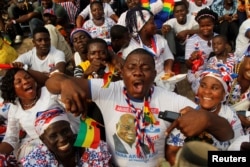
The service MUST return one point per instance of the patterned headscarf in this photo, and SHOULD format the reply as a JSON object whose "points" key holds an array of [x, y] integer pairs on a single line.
{"points": [[45, 118], [78, 30]]}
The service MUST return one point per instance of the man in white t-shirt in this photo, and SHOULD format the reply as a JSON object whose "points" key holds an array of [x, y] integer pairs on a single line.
{"points": [[43, 57], [136, 95], [178, 29]]}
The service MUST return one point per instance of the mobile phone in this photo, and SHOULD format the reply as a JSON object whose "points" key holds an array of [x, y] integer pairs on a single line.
{"points": [[168, 115]]}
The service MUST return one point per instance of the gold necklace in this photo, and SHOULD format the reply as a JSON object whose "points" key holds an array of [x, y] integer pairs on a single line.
{"points": [[31, 104]]}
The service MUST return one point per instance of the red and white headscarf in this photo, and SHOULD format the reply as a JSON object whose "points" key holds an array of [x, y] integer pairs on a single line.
{"points": [[45, 118]]}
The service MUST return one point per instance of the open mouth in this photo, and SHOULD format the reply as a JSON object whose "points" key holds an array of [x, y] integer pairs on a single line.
{"points": [[28, 89], [138, 86]]}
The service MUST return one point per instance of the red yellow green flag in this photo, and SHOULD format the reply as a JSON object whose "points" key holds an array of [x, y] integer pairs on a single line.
{"points": [[88, 135], [107, 77]]}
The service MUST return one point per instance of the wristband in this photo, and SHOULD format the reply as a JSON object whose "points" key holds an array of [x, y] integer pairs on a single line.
{"points": [[13, 21], [25, 67]]}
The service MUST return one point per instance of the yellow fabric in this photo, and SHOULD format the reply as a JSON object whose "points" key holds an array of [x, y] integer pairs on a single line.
{"points": [[86, 64], [7, 53]]}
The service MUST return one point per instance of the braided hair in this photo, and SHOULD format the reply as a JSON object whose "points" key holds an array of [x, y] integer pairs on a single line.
{"points": [[131, 19]]}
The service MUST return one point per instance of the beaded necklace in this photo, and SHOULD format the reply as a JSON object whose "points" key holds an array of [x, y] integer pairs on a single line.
{"points": [[143, 117]]}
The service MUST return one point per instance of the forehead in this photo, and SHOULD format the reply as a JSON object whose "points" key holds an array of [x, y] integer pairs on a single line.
{"points": [[56, 127], [206, 20], [211, 80], [20, 74], [141, 58], [96, 45], [180, 7]]}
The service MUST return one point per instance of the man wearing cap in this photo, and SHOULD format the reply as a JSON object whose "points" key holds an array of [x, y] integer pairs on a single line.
{"points": [[35, 17]]}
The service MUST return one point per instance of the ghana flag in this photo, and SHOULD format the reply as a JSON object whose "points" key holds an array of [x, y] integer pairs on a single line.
{"points": [[89, 134], [168, 5]]}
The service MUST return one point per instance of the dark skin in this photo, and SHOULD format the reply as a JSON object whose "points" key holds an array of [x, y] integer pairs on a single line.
{"points": [[42, 43], [59, 139], [138, 74]]}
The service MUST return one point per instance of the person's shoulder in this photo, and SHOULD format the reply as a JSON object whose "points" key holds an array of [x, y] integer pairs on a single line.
{"points": [[53, 50]]}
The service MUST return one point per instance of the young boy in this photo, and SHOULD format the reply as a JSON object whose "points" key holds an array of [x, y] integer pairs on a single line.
{"points": [[178, 29]]}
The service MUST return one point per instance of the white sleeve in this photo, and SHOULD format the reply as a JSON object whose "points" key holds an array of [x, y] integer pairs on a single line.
{"points": [[85, 12], [170, 22], [26, 57], [59, 56], [13, 128], [108, 9], [156, 7]]}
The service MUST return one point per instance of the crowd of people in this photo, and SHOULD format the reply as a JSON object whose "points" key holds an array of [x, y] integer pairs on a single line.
{"points": [[86, 94]]}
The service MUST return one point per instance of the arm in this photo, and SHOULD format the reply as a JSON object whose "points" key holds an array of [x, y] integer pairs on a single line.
{"points": [[5, 148], [73, 90], [193, 122], [79, 21], [22, 19], [171, 152], [168, 65], [61, 66]]}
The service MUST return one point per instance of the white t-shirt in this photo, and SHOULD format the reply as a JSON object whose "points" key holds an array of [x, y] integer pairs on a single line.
{"points": [[122, 19], [194, 9], [162, 51], [235, 146], [176, 138], [31, 59], [102, 31], [242, 41], [108, 11], [113, 105], [190, 24]]}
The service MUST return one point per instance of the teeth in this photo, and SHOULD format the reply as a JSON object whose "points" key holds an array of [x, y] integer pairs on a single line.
{"points": [[206, 98], [63, 147]]}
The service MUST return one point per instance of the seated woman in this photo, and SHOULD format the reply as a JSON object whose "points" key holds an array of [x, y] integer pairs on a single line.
{"points": [[239, 95], [99, 26], [26, 98], [53, 128], [211, 93]]}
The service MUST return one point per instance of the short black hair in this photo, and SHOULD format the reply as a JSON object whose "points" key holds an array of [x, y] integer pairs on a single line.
{"points": [[180, 3], [117, 31], [40, 29], [142, 51]]}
